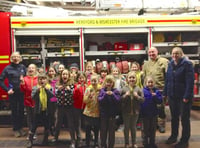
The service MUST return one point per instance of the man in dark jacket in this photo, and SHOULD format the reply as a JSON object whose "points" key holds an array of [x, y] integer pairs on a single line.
{"points": [[179, 90], [13, 72]]}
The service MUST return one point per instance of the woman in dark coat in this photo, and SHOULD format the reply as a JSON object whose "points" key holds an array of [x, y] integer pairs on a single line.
{"points": [[13, 72], [179, 90]]}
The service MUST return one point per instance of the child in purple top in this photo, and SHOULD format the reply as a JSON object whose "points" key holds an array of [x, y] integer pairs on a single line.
{"points": [[109, 98]]}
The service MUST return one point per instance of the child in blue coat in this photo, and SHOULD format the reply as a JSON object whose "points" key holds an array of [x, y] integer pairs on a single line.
{"points": [[149, 112]]}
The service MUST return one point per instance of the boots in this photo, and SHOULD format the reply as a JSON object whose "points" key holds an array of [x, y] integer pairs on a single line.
{"points": [[45, 140], [30, 140]]}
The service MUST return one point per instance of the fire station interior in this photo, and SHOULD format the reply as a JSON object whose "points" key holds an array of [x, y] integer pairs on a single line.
{"points": [[111, 45]]}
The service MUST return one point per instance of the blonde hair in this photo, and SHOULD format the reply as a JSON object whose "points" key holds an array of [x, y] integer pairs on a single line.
{"points": [[131, 73], [109, 78], [179, 49], [147, 78], [36, 72], [14, 54]]}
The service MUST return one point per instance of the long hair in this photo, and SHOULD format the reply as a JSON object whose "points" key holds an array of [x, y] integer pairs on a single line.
{"points": [[109, 78]]}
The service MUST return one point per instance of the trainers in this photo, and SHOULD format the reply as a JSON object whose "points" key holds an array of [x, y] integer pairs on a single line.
{"points": [[72, 145], [161, 129], [171, 140], [17, 134], [22, 132], [134, 146], [181, 145], [29, 144]]}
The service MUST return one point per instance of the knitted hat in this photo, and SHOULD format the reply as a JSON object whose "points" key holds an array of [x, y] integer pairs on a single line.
{"points": [[74, 66]]}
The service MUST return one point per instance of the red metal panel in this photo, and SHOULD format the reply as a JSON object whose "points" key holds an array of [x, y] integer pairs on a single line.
{"points": [[5, 45]]}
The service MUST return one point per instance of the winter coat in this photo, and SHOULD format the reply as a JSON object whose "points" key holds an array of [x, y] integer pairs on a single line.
{"points": [[149, 106], [78, 95], [131, 104], [109, 104], [12, 72], [179, 81], [26, 87], [36, 97]]}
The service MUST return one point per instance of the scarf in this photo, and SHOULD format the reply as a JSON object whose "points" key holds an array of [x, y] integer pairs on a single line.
{"points": [[43, 97]]}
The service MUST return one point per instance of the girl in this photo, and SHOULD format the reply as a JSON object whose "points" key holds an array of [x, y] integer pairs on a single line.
{"points": [[91, 111], [149, 112], [52, 115], [109, 98], [103, 74], [89, 70], [135, 66], [61, 67], [78, 94], [41, 94], [119, 80], [64, 94], [131, 97], [26, 85]]}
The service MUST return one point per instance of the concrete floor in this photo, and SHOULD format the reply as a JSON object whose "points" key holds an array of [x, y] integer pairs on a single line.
{"points": [[7, 139]]}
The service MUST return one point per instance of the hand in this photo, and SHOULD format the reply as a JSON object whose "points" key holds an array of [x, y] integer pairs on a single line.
{"points": [[153, 94], [185, 100], [60, 87], [135, 94], [21, 79], [109, 92], [127, 93], [78, 86], [10, 92]]}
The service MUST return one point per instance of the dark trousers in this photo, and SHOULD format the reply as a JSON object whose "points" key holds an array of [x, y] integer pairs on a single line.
{"points": [[42, 119], [30, 117], [91, 124], [17, 109], [107, 129], [180, 109], [149, 130], [52, 115], [68, 113]]}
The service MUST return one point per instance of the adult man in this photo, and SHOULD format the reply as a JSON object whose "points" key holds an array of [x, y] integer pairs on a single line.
{"points": [[13, 72], [156, 66]]}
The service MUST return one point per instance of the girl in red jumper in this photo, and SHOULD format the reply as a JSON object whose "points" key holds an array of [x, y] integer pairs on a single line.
{"points": [[78, 94], [26, 86]]}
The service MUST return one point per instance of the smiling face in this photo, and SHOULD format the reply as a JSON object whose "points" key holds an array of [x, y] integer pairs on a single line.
{"points": [[32, 70], [177, 53], [153, 53], [150, 83], [131, 79], [51, 72], [16, 58]]}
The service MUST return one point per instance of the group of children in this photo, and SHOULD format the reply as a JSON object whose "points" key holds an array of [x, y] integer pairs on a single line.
{"points": [[95, 99]]}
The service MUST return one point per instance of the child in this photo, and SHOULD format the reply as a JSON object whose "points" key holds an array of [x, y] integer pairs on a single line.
{"points": [[103, 74], [135, 66], [41, 95], [61, 67], [131, 97], [79, 90], [149, 112], [89, 70], [26, 85], [119, 80], [109, 98], [91, 111], [64, 94], [52, 115]]}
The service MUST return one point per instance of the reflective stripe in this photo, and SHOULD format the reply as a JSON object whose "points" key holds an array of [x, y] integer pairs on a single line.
{"points": [[4, 61], [4, 57]]}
